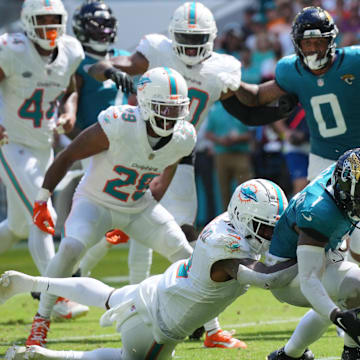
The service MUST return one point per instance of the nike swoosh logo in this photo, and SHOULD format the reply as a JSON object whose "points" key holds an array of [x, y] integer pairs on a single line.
{"points": [[338, 320], [36, 216], [307, 218]]}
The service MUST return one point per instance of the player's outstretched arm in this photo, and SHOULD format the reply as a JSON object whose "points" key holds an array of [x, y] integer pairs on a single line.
{"points": [[135, 64], [252, 272]]}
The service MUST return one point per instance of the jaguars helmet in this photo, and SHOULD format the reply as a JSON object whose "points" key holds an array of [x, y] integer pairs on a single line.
{"points": [[162, 97], [256, 203], [192, 30], [94, 25], [52, 32], [346, 183], [314, 22]]}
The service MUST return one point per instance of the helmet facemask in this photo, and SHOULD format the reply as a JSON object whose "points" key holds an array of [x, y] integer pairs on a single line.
{"points": [[254, 209], [163, 100], [314, 22], [46, 36], [192, 31], [346, 184], [163, 115]]}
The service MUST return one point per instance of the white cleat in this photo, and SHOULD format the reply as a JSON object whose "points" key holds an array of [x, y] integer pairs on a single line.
{"points": [[16, 353], [67, 309], [12, 283]]}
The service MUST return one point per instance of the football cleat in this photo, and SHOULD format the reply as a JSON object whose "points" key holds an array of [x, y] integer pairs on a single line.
{"points": [[223, 339], [280, 355], [66, 309], [39, 329], [197, 334], [15, 353], [350, 353]]}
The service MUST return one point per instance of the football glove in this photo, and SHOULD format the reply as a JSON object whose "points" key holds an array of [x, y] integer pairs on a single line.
{"points": [[116, 236], [348, 321], [121, 79], [42, 218], [229, 81]]}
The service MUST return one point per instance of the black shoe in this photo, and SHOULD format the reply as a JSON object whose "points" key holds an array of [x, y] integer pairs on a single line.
{"points": [[35, 295], [350, 353], [280, 355], [197, 334]]}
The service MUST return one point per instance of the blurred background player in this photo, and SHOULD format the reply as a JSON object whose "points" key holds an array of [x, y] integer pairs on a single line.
{"points": [[39, 96]]}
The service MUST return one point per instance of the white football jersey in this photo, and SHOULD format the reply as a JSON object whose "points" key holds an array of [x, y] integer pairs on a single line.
{"points": [[186, 296], [119, 178], [202, 79], [31, 88]]}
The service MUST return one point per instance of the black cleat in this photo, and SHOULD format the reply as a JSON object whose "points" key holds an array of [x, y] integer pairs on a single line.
{"points": [[350, 353], [280, 355], [197, 334]]}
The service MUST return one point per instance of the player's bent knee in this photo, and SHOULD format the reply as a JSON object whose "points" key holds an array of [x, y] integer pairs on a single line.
{"points": [[71, 249]]}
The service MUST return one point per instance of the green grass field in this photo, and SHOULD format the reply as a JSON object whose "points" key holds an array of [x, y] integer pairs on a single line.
{"points": [[259, 319]]}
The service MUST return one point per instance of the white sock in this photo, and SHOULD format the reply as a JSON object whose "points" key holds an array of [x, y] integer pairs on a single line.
{"points": [[139, 262], [310, 328], [93, 256], [41, 247], [7, 237], [212, 326]]}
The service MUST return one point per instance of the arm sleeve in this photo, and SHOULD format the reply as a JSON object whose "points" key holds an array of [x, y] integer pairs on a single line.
{"points": [[273, 280], [252, 116], [311, 262]]}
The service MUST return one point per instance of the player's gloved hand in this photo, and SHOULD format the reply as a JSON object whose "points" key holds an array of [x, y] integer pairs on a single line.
{"points": [[116, 236], [287, 104], [229, 81], [348, 321], [121, 79], [41, 215]]}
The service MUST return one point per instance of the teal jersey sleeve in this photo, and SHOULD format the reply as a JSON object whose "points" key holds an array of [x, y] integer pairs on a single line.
{"points": [[284, 73], [96, 96], [315, 212]]}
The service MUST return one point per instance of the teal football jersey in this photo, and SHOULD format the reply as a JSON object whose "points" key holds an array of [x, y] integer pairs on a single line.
{"points": [[313, 208], [330, 100], [96, 96]]}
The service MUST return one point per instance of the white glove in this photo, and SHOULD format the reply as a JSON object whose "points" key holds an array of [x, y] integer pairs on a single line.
{"points": [[229, 81], [4, 140]]}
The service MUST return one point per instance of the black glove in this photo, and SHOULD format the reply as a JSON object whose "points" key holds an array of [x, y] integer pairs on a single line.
{"points": [[121, 79], [287, 104], [348, 321]]}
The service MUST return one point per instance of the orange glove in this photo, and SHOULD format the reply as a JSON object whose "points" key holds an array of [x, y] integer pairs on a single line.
{"points": [[42, 218], [116, 236]]}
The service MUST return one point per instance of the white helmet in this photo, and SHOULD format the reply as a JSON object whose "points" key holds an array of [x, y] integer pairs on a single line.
{"points": [[162, 97], [254, 203], [51, 33], [192, 27]]}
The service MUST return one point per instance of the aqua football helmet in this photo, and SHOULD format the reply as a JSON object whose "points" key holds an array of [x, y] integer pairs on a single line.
{"points": [[254, 209], [31, 9], [162, 97], [192, 31], [95, 26], [314, 22], [346, 183]]}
